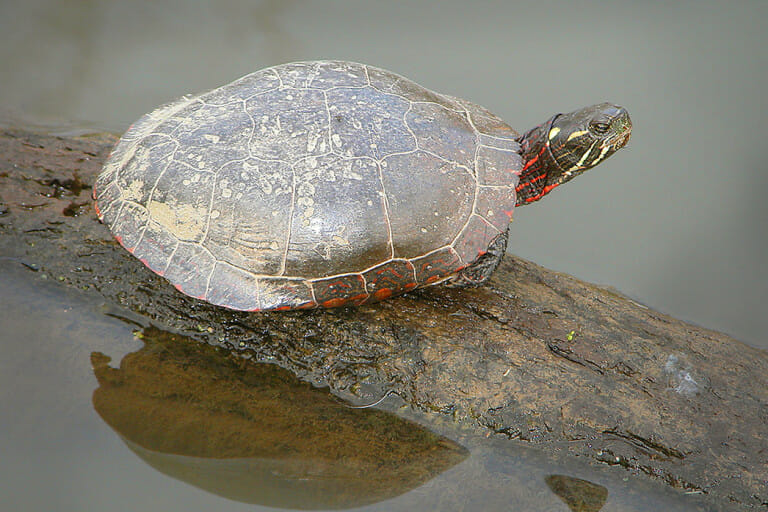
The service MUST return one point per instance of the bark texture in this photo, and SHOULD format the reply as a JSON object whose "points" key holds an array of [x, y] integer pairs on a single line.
{"points": [[535, 355]]}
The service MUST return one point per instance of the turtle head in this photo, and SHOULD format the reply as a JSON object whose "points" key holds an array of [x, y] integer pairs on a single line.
{"points": [[584, 138], [569, 144]]}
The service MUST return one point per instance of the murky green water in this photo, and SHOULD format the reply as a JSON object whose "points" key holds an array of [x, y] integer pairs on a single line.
{"points": [[96, 418]]}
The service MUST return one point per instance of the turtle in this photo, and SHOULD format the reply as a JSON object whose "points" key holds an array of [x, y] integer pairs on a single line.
{"points": [[333, 183]]}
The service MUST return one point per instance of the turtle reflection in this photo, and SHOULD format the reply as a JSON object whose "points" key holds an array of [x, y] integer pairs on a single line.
{"points": [[254, 433]]}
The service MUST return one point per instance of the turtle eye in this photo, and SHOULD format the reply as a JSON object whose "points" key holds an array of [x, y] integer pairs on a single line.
{"points": [[599, 127]]}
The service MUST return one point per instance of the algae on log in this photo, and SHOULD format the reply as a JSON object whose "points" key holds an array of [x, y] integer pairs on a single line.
{"points": [[535, 355]]}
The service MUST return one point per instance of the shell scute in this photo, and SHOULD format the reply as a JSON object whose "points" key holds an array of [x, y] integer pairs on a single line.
{"points": [[443, 132], [436, 266], [233, 287], [495, 205], [180, 199], [246, 237], [338, 220], [429, 199], [156, 246], [108, 199], [390, 83], [486, 122], [140, 168], [131, 221], [365, 122], [472, 242], [343, 290], [281, 293], [391, 278], [189, 269], [332, 74], [288, 124], [498, 167], [210, 135], [244, 88]]}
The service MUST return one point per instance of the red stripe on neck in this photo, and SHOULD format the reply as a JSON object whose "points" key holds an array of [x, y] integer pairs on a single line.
{"points": [[530, 182], [546, 190], [533, 160], [538, 164]]}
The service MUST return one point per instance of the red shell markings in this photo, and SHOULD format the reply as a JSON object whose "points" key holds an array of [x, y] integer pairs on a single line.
{"points": [[392, 278], [437, 265], [338, 291]]}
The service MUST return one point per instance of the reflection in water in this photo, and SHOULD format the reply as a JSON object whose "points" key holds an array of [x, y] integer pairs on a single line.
{"points": [[254, 433], [580, 495]]}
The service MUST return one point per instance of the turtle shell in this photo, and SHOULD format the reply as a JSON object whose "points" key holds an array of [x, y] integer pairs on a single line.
{"points": [[310, 184]]}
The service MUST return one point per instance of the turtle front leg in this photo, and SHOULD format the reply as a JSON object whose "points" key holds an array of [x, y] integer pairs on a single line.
{"points": [[480, 271]]}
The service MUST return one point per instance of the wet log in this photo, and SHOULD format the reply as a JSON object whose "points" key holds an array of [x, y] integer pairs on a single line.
{"points": [[537, 356]]}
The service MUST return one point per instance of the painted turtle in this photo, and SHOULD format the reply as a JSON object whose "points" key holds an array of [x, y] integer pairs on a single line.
{"points": [[333, 183]]}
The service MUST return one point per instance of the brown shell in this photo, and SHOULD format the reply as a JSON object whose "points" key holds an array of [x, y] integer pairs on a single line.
{"points": [[310, 184]]}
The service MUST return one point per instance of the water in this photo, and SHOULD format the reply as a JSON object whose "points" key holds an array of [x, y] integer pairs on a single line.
{"points": [[96, 418]]}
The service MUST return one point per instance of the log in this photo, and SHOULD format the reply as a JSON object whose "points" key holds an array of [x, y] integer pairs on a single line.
{"points": [[535, 355]]}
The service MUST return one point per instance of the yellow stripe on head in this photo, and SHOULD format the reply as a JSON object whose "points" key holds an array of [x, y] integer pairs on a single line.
{"points": [[600, 157], [580, 164], [578, 133]]}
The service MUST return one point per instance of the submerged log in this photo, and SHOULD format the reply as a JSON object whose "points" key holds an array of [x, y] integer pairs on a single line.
{"points": [[536, 355]]}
